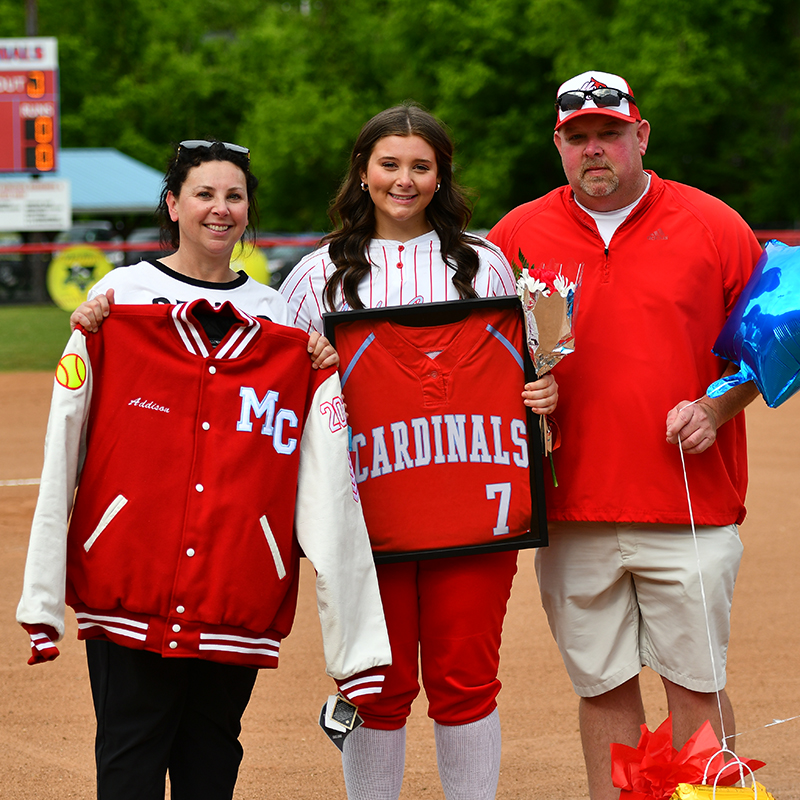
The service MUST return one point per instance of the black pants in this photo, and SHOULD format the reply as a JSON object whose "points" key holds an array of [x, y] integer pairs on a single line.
{"points": [[154, 715]]}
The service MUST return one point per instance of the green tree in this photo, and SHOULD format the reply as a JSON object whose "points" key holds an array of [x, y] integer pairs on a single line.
{"points": [[716, 80], [140, 74], [295, 81]]}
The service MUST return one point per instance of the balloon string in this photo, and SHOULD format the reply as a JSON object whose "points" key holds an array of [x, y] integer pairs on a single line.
{"points": [[702, 587], [705, 611], [764, 727]]}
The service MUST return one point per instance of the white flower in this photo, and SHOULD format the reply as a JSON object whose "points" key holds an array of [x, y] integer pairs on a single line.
{"points": [[532, 285], [563, 285]]}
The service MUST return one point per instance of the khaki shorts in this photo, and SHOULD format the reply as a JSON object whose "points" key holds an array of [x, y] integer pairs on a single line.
{"points": [[619, 596]]}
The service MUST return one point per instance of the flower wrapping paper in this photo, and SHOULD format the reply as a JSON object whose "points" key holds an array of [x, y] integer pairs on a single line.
{"points": [[549, 303]]}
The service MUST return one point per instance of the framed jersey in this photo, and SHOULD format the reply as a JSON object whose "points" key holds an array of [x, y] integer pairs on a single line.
{"points": [[446, 456]]}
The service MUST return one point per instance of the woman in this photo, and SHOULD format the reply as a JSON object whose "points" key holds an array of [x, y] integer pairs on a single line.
{"points": [[170, 681], [207, 206], [400, 238]]}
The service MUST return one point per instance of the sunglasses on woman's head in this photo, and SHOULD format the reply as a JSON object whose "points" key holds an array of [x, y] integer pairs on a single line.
{"points": [[193, 144]]}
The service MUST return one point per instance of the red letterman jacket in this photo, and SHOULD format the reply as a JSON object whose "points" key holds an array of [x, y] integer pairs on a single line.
{"points": [[202, 473]]}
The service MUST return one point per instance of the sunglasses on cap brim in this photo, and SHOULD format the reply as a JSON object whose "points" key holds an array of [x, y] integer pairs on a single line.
{"points": [[603, 98]]}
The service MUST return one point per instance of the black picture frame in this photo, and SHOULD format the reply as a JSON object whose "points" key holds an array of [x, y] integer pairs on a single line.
{"points": [[442, 313]]}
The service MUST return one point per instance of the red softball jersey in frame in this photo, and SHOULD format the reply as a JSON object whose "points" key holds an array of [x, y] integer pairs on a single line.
{"points": [[440, 437]]}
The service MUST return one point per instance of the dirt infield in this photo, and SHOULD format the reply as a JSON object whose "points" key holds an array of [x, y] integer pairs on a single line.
{"points": [[46, 720]]}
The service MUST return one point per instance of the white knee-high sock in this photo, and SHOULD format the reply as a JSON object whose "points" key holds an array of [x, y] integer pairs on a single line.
{"points": [[373, 763], [469, 758]]}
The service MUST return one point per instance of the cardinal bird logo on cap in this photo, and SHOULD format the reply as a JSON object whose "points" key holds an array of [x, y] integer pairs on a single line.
{"points": [[593, 84]]}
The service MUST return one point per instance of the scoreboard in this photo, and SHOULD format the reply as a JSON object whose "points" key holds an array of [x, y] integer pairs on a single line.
{"points": [[29, 128]]}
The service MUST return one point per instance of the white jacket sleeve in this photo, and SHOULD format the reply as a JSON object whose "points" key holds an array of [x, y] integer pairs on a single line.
{"points": [[43, 601], [330, 528]]}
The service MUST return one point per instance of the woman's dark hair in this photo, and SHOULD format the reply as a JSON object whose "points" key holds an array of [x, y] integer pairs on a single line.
{"points": [[192, 154], [352, 211]]}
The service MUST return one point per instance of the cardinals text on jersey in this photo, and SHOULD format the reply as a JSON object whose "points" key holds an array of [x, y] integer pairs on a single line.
{"points": [[439, 432]]}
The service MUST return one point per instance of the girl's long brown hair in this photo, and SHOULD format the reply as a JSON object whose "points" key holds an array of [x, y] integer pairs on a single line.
{"points": [[353, 212]]}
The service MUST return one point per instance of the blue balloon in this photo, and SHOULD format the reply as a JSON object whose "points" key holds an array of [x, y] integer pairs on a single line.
{"points": [[762, 334]]}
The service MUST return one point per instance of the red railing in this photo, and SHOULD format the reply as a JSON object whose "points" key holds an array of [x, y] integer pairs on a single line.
{"points": [[54, 247], [788, 237]]}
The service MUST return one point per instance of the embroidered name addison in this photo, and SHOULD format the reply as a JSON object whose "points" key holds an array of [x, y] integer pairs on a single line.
{"points": [[148, 404]]}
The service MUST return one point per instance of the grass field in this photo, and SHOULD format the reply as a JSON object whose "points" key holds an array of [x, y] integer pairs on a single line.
{"points": [[32, 337]]}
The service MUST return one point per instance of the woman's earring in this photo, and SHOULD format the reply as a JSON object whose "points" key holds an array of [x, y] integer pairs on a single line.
{"points": [[364, 186], [438, 185]]}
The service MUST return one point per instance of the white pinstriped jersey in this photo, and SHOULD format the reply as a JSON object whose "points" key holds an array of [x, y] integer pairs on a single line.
{"points": [[403, 273]]}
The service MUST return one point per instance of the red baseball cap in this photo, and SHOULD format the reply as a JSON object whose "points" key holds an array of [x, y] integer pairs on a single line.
{"points": [[596, 93]]}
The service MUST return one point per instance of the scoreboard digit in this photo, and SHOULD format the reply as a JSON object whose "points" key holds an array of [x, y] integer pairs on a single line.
{"points": [[29, 128]]}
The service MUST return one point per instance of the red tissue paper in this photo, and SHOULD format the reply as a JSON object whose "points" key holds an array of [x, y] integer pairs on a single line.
{"points": [[653, 769]]}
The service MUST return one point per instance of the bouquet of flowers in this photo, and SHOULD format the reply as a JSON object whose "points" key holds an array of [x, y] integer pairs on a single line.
{"points": [[549, 303]]}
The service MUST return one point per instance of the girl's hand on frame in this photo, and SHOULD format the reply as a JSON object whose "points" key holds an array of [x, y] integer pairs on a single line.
{"points": [[541, 396]]}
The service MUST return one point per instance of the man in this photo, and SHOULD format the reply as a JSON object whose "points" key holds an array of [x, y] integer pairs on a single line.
{"points": [[663, 265]]}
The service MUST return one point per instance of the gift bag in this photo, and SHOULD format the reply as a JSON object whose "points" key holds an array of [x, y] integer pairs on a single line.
{"points": [[755, 791], [685, 791]]}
